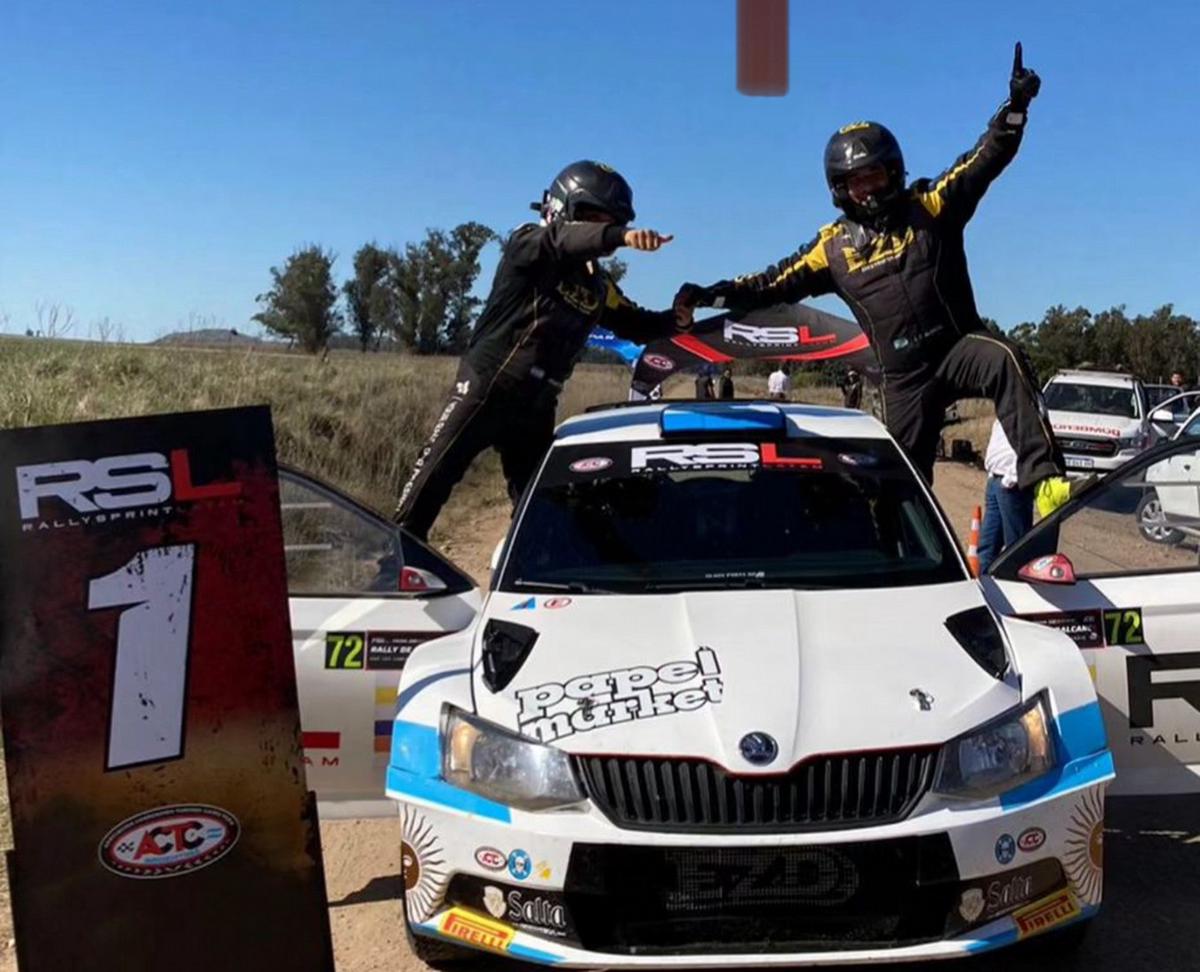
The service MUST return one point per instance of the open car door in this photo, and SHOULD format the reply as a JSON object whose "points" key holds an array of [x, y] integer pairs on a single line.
{"points": [[1130, 600], [363, 594]]}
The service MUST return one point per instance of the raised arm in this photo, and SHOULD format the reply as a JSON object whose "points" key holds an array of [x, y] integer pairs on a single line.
{"points": [[803, 274], [955, 194]]}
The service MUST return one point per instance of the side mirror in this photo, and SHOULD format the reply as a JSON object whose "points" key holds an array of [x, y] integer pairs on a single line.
{"points": [[1164, 415], [1054, 569]]}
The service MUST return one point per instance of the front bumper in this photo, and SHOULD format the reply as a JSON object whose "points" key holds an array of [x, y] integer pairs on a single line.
{"points": [[569, 888]]}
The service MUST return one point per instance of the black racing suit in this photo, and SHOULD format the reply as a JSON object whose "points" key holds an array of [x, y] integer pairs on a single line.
{"points": [[548, 294], [910, 291]]}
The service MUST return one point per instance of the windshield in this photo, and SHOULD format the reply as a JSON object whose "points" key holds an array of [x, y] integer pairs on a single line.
{"points": [[636, 517], [1119, 400]]}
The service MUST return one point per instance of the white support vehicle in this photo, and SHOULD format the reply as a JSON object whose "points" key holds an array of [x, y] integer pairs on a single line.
{"points": [[1169, 510], [1100, 418], [733, 699]]}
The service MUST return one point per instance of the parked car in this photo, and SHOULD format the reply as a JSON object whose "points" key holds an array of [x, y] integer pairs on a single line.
{"points": [[1169, 510], [1100, 418]]}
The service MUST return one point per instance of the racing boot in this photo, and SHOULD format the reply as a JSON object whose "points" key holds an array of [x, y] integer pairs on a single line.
{"points": [[1053, 491]]}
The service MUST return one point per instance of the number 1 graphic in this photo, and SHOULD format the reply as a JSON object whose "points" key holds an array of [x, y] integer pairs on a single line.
{"points": [[145, 723]]}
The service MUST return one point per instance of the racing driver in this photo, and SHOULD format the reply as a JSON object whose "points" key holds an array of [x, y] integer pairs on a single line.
{"points": [[548, 294], [896, 257]]}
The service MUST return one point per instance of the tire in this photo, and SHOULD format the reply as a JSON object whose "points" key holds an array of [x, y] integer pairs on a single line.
{"points": [[1150, 521]]}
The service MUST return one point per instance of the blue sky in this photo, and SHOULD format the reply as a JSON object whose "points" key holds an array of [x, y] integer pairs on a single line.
{"points": [[157, 158]]}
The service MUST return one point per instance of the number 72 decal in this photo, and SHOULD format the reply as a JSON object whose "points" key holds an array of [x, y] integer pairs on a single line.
{"points": [[344, 649], [1096, 628]]}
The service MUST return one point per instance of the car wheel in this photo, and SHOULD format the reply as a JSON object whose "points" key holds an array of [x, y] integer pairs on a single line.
{"points": [[1152, 522]]}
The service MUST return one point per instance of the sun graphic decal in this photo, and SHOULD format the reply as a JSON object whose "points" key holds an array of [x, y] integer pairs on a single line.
{"points": [[422, 866], [1084, 857]]}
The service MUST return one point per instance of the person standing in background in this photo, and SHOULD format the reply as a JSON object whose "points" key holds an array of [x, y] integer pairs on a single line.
{"points": [[1008, 508], [726, 384], [852, 389], [778, 384], [704, 385]]}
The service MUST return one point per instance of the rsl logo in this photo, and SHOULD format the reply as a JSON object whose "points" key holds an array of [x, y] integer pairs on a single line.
{"points": [[93, 491]]}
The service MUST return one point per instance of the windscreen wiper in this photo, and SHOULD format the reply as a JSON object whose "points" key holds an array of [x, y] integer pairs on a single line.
{"points": [[572, 587]]}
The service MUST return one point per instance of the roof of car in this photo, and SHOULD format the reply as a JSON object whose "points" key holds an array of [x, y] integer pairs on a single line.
{"points": [[1085, 376], [620, 423]]}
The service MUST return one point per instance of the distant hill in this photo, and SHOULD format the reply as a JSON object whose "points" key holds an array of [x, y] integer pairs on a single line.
{"points": [[214, 337]]}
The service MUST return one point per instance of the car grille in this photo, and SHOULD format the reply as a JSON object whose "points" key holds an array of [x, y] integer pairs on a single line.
{"points": [[682, 795], [1086, 445], [689, 900]]}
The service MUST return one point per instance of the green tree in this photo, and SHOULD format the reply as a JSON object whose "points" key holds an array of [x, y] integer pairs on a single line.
{"points": [[432, 282], [301, 304], [368, 296]]}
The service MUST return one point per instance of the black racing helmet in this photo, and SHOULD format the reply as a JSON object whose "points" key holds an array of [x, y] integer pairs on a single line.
{"points": [[587, 185], [859, 146]]}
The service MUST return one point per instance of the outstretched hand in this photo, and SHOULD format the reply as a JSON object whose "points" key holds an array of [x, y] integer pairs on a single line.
{"points": [[686, 299], [646, 239], [1024, 84]]}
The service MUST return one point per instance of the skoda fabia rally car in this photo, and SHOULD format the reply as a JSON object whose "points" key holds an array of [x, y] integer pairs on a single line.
{"points": [[733, 700]]}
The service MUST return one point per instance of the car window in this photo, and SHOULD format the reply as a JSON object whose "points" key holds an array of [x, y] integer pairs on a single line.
{"points": [[1145, 518], [1192, 428], [666, 515], [332, 545], [1065, 396]]}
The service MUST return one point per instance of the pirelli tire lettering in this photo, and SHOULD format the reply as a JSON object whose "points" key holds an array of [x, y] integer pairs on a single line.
{"points": [[554, 710]]}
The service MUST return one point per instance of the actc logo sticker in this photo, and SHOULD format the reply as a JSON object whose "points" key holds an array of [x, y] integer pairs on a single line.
{"points": [[169, 841], [591, 464], [519, 865], [1031, 839], [556, 602], [659, 362], [490, 859], [1006, 849]]}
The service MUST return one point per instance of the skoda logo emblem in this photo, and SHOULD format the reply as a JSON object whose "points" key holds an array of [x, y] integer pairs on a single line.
{"points": [[758, 748]]}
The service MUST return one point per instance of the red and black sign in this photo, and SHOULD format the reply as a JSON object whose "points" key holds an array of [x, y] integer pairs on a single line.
{"points": [[794, 332], [151, 729]]}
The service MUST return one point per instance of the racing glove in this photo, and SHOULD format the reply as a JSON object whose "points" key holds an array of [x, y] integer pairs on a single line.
{"points": [[1024, 84]]}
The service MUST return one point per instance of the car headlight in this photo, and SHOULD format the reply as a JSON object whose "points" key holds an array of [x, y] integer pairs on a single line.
{"points": [[502, 766], [1009, 751]]}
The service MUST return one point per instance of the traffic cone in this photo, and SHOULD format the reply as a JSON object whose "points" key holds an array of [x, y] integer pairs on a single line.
{"points": [[973, 542]]}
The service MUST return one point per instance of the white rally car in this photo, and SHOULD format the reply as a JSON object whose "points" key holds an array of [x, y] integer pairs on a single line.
{"points": [[734, 699]]}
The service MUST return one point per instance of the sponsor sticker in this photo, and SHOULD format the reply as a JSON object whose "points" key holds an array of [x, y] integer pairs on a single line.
{"points": [[520, 865], [422, 866], [1031, 839], [490, 859], [777, 336], [493, 900], [659, 362], [971, 904], [534, 910], [169, 841], [554, 710], [1006, 849], [476, 930], [590, 465], [1096, 629], [1084, 857], [701, 455], [554, 603], [389, 650], [1043, 915], [862, 459], [529, 604], [987, 898]]}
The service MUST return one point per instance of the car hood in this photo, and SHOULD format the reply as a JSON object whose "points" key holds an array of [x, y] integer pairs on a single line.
{"points": [[691, 674], [1084, 423]]}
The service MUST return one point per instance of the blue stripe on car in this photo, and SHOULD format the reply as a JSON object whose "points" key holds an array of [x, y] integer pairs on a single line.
{"points": [[431, 930], [422, 684], [605, 422], [677, 419], [1081, 732], [415, 770]]}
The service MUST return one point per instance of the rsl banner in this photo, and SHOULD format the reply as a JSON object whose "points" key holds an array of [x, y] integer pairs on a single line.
{"points": [[151, 729], [789, 332]]}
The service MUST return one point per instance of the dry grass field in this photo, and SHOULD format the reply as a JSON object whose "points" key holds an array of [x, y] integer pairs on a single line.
{"points": [[355, 420]]}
